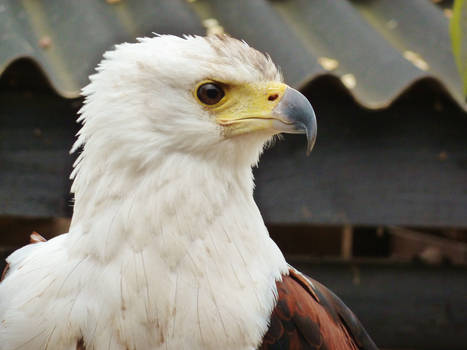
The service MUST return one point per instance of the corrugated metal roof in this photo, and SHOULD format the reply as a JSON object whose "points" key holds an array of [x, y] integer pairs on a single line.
{"points": [[377, 48]]}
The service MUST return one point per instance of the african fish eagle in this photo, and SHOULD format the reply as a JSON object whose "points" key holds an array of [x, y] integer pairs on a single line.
{"points": [[167, 248]]}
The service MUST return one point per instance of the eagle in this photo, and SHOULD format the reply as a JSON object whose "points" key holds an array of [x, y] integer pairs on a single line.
{"points": [[167, 248]]}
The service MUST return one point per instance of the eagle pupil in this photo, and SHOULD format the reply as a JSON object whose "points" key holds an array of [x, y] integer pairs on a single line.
{"points": [[210, 93]]}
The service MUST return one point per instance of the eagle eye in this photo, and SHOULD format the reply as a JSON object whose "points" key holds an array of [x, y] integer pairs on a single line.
{"points": [[210, 93]]}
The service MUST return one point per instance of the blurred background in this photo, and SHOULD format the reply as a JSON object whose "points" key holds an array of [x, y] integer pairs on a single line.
{"points": [[378, 212]]}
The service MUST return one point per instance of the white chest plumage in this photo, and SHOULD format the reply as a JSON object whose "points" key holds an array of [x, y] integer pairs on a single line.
{"points": [[177, 271]]}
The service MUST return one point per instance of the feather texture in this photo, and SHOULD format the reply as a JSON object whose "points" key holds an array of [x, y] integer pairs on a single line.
{"points": [[308, 316], [34, 238]]}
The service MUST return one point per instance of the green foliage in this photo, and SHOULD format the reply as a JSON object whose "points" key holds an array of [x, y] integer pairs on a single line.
{"points": [[459, 38]]}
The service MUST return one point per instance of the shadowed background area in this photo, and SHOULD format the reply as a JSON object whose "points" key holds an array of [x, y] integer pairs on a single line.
{"points": [[378, 212]]}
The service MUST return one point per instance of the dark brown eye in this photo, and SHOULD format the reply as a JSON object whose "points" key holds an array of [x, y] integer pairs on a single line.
{"points": [[210, 93]]}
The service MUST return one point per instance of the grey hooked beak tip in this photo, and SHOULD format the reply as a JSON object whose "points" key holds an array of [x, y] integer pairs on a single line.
{"points": [[296, 116]]}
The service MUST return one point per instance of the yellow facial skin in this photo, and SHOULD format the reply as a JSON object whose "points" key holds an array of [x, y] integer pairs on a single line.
{"points": [[247, 108]]}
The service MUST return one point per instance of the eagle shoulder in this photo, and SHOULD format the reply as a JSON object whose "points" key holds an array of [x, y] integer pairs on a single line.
{"points": [[309, 316]]}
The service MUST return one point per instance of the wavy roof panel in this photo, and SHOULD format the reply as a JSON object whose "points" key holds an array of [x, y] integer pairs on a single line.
{"points": [[376, 48]]}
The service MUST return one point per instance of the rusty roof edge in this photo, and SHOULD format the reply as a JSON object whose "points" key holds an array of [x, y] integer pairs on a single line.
{"points": [[304, 84]]}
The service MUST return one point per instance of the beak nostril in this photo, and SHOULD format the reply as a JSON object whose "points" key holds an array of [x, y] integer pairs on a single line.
{"points": [[273, 97]]}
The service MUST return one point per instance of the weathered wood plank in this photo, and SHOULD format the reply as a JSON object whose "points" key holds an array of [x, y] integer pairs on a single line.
{"points": [[36, 133]]}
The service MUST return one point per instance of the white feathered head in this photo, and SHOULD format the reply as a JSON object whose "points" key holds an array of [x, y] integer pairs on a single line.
{"points": [[200, 95], [212, 98]]}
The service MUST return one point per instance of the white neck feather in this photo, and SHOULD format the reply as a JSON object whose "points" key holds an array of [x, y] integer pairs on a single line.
{"points": [[185, 234]]}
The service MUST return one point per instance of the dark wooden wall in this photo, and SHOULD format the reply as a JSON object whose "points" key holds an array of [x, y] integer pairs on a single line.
{"points": [[37, 129], [405, 165], [403, 306]]}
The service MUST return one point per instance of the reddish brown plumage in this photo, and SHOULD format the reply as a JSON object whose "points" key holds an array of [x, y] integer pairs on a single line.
{"points": [[5, 270], [80, 345], [36, 238], [309, 316]]}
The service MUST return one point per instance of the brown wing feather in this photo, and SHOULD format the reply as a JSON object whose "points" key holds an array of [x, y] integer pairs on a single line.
{"points": [[309, 316], [80, 345], [36, 238], [5, 270]]}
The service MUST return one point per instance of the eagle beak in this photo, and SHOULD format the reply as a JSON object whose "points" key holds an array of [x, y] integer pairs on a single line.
{"points": [[296, 116], [269, 107]]}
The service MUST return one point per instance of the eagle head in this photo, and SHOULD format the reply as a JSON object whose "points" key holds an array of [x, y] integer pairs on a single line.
{"points": [[213, 98]]}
